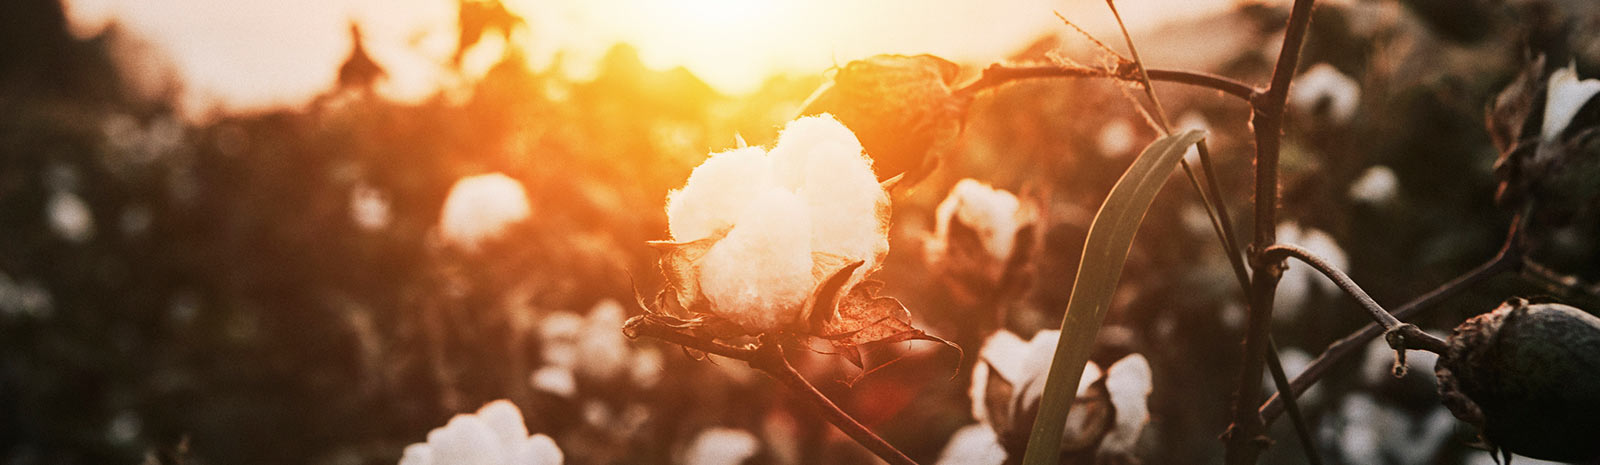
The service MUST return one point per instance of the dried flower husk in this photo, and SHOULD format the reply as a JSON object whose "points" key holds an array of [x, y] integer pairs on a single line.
{"points": [[1528, 376], [901, 107]]}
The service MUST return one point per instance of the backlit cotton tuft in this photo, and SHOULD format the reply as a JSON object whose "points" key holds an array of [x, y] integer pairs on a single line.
{"points": [[482, 207], [495, 435], [790, 217]]}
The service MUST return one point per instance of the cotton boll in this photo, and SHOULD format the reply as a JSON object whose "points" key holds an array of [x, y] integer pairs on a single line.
{"points": [[554, 380], [1566, 95], [417, 454], [1324, 88], [536, 450], [1377, 185], [721, 446], [466, 440], [1128, 383], [494, 435], [973, 445], [1116, 138], [1300, 279], [1021, 364], [760, 274], [993, 213], [602, 346], [482, 207], [1002, 352], [559, 333], [70, 217], [821, 160], [717, 192], [504, 420]]}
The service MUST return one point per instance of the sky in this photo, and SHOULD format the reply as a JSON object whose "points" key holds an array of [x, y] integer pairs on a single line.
{"points": [[234, 56]]}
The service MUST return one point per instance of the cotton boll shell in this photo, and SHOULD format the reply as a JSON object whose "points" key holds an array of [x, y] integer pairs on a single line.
{"points": [[822, 161], [900, 106], [1525, 374], [759, 276], [717, 192]]}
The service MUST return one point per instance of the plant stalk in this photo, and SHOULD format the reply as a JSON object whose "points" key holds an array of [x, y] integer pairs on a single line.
{"points": [[1245, 439]]}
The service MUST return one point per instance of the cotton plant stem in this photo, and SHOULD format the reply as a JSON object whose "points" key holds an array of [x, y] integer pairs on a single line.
{"points": [[768, 358], [1508, 259], [1244, 438]]}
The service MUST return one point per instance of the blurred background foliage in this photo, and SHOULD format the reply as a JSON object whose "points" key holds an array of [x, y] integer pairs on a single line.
{"points": [[272, 288]]}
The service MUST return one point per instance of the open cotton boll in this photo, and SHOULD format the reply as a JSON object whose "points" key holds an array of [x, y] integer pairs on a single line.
{"points": [[992, 212], [604, 349], [494, 435], [1128, 384], [1566, 95], [973, 445], [717, 192], [1377, 185], [821, 160], [759, 275], [482, 207], [721, 446], [1324, 88]]}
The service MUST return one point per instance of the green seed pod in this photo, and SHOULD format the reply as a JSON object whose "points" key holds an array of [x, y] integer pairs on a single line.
{"points": [[1528, 376]]}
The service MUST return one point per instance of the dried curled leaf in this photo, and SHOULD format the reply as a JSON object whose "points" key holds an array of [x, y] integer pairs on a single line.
{"points": [[861, 317]]}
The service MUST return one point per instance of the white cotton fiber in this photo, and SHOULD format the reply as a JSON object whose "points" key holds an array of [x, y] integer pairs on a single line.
{"points": [[820, 159], [480, 208], [1566, 94], [495, 435], [993, 213], [814, 195], [716, 193], [760, 274]]}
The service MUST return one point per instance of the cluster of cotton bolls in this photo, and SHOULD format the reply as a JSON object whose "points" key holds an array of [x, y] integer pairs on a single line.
{"points": [[591, 347], [781, 220], [495, 435], [480, 208], [1008, 382]]}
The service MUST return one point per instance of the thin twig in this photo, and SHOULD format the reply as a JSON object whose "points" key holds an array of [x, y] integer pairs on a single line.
{"points": [[1211, 198], [1281, 380], [768, 358], [1509, 258], [1418, 339], [1339, 278], [997, 74]]}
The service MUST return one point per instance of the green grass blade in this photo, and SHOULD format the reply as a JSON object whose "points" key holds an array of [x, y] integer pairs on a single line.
{"points": [[1104, 252]]}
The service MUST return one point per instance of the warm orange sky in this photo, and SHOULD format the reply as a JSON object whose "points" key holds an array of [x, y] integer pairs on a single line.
{"points": [[242, 55]]}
